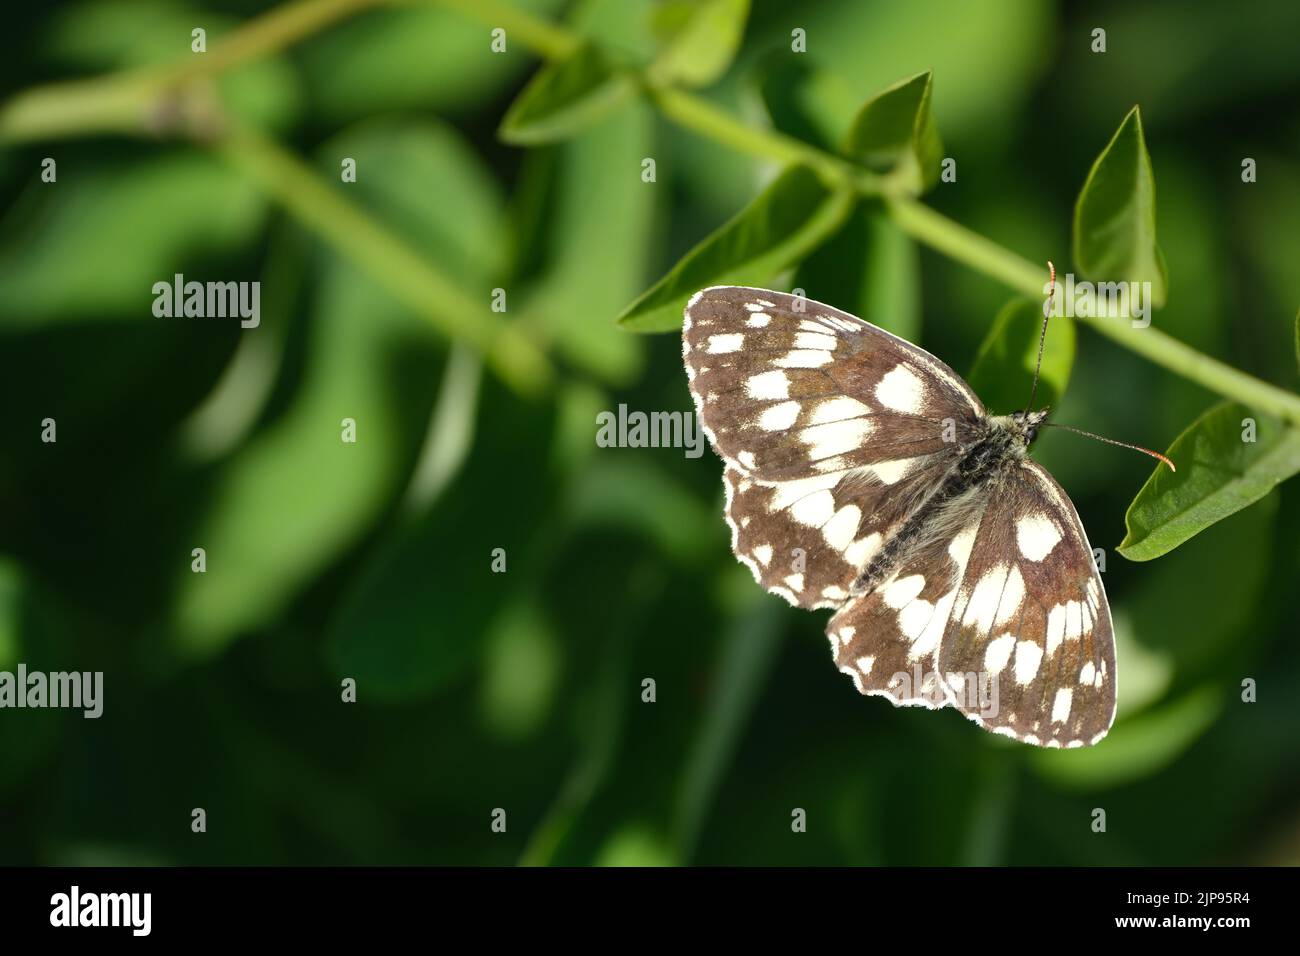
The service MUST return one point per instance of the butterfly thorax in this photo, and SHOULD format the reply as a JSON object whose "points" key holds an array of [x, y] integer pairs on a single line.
{"points": [[996, 449]]}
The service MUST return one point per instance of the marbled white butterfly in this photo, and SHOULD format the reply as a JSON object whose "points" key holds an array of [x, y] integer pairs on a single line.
{"points": [[863, 474]]}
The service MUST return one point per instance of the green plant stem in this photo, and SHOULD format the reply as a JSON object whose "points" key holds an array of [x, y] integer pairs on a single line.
{"points": [[959, 243], [385, 257], [137, 101], [703, 117], [548, 40], [269, 33]]}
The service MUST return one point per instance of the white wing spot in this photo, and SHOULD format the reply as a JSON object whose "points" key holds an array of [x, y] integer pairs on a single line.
{"points": [[1073, 620], [902, 592], [758, 320], [779, 417], [764, 554], [768, 386], [983, 604], [803, 358], [1055, 628], [959, 547], [795, 582], [1013, 592], [890, 472], [1028, 656], [1087, 673], [731, 342], [788, 492], [926, 642], [755, 306], [998, 654], [1061, 705], [747, 459], [836, 438], [815, 340], [861, 551], [814, 510], [1037, 535], [837, 410], [902, 390], [839, 531], [866, 663]]}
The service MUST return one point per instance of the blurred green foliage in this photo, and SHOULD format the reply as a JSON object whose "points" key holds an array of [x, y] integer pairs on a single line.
{"points": [[524, 689]]}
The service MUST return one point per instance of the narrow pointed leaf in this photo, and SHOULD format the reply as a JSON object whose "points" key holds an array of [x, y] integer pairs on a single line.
{"points": [[1219, 472], [703, 38], [1115, 215], [894, 132], [1003, 373], [789, 219], [565, 98]]}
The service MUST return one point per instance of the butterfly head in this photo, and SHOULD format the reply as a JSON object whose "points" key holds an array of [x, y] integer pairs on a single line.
{"points": [[1025, 425]]}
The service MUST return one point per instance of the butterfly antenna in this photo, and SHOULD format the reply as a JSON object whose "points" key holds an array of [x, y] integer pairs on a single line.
{"points": [[1042, 336], [1111, 441]]}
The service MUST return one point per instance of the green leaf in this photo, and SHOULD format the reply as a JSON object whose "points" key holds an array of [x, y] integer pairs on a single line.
{"points": [[125, 227], [703, 37], [565, 98], [894, 132], [788, 220], [1003, 373], [747, 657], [1115, 216], [296, 475], [1219, 473], [417, 615], [596, 239], [522, 670], [1297, 338], [635, 845], [615, 493], [805, 100], [867, 46]]}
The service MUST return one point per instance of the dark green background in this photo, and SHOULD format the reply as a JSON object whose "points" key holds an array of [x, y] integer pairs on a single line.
{"points": [[522, 690]]}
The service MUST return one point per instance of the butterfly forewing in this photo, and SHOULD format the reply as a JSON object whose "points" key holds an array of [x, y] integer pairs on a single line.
{"points": [[787, 388]]}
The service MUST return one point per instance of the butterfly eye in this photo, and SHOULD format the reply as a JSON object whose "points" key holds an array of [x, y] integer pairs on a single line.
{"points": [[1030, 435]]}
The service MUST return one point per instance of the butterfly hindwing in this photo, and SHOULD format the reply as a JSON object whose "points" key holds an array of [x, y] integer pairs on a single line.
{"points": [[888, 639], [808, 539], [1032, 617]]}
